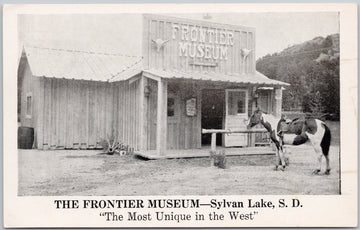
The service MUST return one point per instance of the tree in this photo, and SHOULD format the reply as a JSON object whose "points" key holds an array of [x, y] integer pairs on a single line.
{"points": [[314, 82], [316, 103]]}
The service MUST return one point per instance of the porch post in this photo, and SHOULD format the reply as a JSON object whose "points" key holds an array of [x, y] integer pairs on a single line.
{"points": [[213, 142], [254, 104], [278, 101], [161, 127]]}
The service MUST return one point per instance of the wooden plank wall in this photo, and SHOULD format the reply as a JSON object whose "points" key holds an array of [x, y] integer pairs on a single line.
{"points": [[151, 115], [156, 27], [173, 122], [185, 132], [29, 87], [127, 112], [78, 114]]}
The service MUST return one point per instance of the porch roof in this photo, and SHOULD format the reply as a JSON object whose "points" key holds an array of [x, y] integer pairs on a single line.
{"points": [[249, 78]]}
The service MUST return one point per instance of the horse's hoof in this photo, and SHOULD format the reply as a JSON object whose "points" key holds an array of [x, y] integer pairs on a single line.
{"points": [[287, 161], [316, 171], [282, 168], [327, 172], [276, 168]]}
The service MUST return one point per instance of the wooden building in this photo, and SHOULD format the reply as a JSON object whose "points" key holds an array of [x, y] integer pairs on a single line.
{"points": [[191, 75]]}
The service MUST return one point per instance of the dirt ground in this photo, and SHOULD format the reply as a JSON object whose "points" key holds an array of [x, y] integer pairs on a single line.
{"points": [[85, 172]]}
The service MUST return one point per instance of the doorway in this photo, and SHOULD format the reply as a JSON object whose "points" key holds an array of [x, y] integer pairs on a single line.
{"points": [[212, 114], [236, 116]]}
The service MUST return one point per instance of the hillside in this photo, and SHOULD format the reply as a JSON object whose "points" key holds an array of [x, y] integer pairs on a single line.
{"points": [[312, 69]]}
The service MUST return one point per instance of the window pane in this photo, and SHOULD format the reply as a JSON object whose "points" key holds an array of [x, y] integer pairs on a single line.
{"points": [[241, 102], [28, 105], [236, 102], [171, 107]]}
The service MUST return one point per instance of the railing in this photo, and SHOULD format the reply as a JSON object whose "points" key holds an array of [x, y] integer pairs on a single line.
{"points": [[215, 131]]}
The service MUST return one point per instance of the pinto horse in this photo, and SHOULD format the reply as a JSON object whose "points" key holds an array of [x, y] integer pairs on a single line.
{"points": [[295, 132]]}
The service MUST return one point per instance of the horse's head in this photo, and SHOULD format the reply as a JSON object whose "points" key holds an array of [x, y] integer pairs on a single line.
{"points": [[255, 118]]}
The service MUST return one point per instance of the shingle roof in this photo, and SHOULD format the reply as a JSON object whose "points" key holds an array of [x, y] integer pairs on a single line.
{"points": [[79, 65], [249, 78]]}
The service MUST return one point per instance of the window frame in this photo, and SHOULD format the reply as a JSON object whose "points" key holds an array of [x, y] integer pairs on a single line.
{"points": [[29, 112], [227, 91]]}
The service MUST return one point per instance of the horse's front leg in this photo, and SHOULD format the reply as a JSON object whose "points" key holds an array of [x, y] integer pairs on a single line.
{"points": [[277, 159], [319, 153], [327, 172], [280, 146], [282, 157]]}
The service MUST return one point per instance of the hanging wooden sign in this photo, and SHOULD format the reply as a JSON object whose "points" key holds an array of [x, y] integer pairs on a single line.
{"points": [[191, 107]]}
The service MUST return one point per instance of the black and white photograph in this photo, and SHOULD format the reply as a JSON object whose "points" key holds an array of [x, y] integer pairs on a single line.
{"points": [[194, 104], [188, 103]]}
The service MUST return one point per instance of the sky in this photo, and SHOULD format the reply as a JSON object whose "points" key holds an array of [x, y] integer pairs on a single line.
{"points": [[121, 33]]}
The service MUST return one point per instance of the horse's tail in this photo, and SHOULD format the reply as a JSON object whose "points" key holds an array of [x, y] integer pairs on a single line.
{"points": [[325, 142]]}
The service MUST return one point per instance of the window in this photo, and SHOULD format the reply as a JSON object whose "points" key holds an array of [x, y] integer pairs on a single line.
{"points": [[170, 106], [28, 105], [236, 102]]}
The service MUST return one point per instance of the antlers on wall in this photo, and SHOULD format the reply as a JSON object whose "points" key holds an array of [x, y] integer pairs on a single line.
{"points": [[245, 52], [159, 43]]}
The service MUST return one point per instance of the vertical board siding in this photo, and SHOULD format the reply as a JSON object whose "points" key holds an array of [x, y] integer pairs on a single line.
{"points": [[69, 114], [151, 115], [109, 110], [76, 116], [53, 113], [116, 110], [126, 118], [81, 114], [127, 113], [173, 123], [47, 117], [121, 111], [158, 27], [184, 132], [97, 115], [63, 86], [40, 114], [92, 116]]}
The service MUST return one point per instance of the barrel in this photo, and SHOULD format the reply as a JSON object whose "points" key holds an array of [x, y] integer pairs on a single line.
{"points": [[25, 137]]}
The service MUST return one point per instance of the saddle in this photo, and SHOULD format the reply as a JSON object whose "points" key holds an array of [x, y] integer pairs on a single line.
{"points": [[293, 126]]}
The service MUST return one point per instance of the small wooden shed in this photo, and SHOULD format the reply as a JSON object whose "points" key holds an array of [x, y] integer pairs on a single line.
{"points": [[191, 75]]}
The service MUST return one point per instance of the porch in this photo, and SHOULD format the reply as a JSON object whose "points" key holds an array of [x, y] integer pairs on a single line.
{"points": [[176, 106]]}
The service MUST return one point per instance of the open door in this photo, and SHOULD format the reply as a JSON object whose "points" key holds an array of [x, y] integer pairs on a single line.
{"points": [[236, 116], [212, 114]]}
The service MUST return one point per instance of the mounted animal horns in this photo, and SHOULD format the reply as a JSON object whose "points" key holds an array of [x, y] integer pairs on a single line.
{"points": [[159, 43], [245, 52]]}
